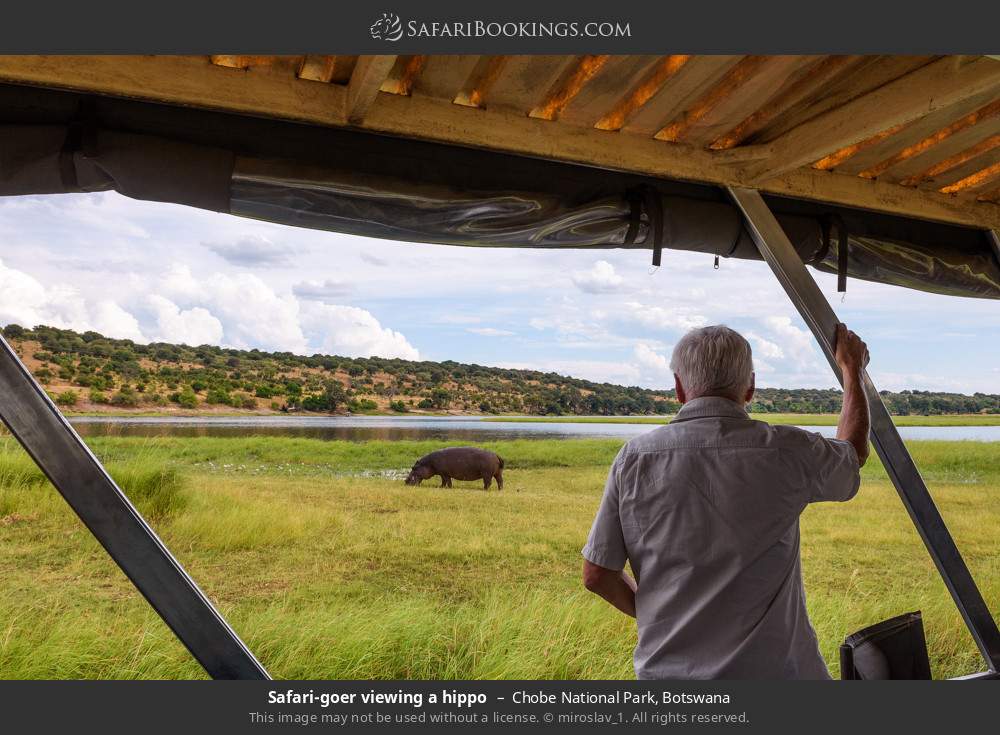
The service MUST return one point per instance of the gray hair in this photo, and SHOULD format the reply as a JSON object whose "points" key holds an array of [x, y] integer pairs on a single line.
{"points": [[713, 361]]}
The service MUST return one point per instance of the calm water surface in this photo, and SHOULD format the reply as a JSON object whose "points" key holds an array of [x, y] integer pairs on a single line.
{"points": [[462, 428]]}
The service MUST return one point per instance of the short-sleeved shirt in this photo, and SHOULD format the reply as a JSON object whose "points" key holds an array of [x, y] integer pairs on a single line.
{"points": [[706, 511]]}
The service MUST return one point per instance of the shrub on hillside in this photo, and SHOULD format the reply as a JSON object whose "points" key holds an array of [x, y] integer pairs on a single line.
{"points": [[125, 398], [364, 404], [185, 399], [68, 398], [218, 396]]}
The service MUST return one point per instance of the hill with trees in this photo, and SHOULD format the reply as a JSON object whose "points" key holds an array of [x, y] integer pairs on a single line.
{"points": [[91, 373]]}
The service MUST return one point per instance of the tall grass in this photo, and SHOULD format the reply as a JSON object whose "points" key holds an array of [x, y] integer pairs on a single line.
{"points": [[328, 571], [155, 489]]}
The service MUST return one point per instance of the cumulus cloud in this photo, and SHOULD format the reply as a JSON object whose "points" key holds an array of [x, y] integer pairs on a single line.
{"points": [[602, 278], [658, 317], [353, 332], [25, 301], [653, 367], [650, 358], [195, 326], [327, 290], [798, 342], [764, 347], [251, 251], [252, 313], [110, 319], [231, 310], [490, 332]]}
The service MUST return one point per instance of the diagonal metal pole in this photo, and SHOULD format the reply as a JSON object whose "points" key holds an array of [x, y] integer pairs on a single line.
{"points": [[791, 272], [79, 477]]}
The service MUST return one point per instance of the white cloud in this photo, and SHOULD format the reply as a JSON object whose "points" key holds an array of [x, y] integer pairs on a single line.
{"points": [[195, 326], [252, 250], [601, 278], [25, 301], [799, 342], [238, 310], [252, 313], [490, 332], [353, 332], [110, 319], [327, 290], [651, 359], [764, 347], [658, 317], [921, 381], [762, 366], [654, 367]]}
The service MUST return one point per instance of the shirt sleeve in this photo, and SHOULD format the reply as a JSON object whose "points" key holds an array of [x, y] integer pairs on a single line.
{"points": [[606, 543], [835, 467]]}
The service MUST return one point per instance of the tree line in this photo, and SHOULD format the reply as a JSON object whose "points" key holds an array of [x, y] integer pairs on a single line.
{"points": [[80, 368]]}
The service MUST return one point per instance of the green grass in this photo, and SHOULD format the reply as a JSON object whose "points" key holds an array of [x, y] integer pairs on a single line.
{"points": [[330, 567], [798, 419]]}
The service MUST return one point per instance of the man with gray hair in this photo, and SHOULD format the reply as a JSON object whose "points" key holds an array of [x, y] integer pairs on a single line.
{"points": [[706, 512]]}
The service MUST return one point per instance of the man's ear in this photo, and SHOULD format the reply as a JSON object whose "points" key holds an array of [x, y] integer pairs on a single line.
{"points": [[751, 389], [679, 389]]}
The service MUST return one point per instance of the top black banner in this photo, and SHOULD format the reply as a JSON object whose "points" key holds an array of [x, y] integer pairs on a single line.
{"points": [[509, 27]]}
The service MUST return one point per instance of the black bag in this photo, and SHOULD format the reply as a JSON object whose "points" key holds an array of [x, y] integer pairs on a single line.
{"points": [[893, 649]]}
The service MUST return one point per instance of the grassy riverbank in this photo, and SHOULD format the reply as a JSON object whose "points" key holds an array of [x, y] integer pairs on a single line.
{"points": [[330, 567]]}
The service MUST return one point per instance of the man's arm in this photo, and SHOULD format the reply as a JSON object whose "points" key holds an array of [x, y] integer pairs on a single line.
{"points": [[616, 587], [855, 422]]}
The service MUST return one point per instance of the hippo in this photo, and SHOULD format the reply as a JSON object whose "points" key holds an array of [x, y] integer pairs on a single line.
{"points": [[460, 463]]}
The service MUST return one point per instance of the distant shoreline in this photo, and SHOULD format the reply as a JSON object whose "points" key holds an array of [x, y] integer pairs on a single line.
{"points": [[803, 419]]}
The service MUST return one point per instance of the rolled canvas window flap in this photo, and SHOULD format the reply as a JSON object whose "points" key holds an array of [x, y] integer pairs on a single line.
{"points": [[920, 267], [375, 205], [33, 161]]}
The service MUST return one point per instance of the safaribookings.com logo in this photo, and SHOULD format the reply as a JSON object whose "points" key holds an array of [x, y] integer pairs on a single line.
{"points": [[390, 28]]}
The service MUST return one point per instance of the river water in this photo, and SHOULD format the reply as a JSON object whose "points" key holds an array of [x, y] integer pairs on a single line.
{"points": [[464, 428]]}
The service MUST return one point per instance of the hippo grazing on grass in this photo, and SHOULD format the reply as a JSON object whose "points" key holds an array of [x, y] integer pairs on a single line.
{"points": [[460, 463]]}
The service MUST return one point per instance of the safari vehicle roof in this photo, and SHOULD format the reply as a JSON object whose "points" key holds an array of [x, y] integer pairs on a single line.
{"points": [[901, 153]]}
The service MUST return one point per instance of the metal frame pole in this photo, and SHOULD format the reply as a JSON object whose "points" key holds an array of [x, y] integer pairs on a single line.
{"points": [[84, 483], [815, 310]]}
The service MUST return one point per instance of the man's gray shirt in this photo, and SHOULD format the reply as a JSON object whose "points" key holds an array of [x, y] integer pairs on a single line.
{"points": [[706, 511]]}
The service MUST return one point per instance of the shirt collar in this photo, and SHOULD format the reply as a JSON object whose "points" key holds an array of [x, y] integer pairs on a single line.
{"points": [[708, 406]]}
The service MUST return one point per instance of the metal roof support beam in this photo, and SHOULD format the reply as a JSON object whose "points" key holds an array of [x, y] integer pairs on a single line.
{"points": [[79, 477], [366, 80], [816, 312]]}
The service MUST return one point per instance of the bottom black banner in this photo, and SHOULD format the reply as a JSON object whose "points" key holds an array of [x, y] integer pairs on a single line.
{"points": [[514, 706]]}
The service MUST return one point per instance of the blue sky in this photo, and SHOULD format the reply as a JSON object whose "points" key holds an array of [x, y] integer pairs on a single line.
{"points": [[151, 272]]}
